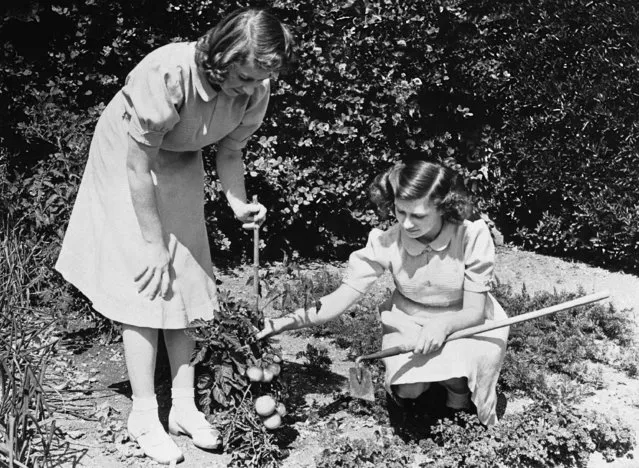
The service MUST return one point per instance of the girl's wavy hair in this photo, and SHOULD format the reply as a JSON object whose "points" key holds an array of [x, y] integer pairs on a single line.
{"points": [[245, 34], [417, 179]]}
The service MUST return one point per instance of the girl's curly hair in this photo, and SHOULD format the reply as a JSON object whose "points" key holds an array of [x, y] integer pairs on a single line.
{"points": [[416, 179], [245, 34]]}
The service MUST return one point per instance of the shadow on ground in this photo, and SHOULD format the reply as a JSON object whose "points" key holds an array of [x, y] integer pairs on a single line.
{"points": [[301, 380]]}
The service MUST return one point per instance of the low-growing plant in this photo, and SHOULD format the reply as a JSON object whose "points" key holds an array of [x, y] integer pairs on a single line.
{"points": [[358, 329], [387, 451], [287, 287], [28, 435], [317, 358], [555, 356], [543, 435], [564, 344]]}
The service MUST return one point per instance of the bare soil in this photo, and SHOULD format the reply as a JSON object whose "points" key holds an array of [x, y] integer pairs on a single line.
{"points": [[93, 382]]}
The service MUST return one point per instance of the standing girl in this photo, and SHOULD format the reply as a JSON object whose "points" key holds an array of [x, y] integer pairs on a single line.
{"points": [[136, 244], [442, 266]]}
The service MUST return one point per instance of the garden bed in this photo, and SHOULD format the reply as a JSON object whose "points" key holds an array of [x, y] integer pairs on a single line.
{"points": [[324, 427]]}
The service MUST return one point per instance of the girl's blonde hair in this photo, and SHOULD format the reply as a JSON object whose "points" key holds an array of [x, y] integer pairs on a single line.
{"points": [[246, 34]]}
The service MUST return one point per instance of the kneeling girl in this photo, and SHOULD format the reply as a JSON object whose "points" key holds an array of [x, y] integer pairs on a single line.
{"points": [[442, 267]]}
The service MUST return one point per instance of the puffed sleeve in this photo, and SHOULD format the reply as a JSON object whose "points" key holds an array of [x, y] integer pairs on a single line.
{"points": [[367, 264], [252, 119], [479, 257], [153, 95]]}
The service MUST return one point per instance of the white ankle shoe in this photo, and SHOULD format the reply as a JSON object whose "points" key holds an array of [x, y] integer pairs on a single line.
{"points": [[193, 423], [154, 442]]}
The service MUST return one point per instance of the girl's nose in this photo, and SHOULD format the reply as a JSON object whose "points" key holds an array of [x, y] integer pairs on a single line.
{"points": [[408, 224]]}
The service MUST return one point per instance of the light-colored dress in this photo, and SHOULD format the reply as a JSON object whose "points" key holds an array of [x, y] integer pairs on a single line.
{"points": [[166, 103], [431, 279]]}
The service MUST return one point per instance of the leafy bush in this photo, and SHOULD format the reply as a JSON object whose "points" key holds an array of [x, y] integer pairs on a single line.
{"points": [[528, 101], [565, 150], [348, 111]]}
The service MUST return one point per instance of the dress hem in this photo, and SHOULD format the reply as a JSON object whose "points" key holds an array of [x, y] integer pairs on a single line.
{"points": [[103, 305]]}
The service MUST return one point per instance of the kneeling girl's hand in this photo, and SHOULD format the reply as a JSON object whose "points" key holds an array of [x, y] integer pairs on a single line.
{"points": [[291, 321], [432, 337], [271, 327]]}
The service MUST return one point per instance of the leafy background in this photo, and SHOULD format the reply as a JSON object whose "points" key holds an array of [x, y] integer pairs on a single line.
{"points": [[535, 102]]}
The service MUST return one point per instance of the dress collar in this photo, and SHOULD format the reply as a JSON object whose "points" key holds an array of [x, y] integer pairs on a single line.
{"points": [[204, 88], [415, 247]]}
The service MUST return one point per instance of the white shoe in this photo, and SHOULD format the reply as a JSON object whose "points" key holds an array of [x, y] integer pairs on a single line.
{"points": [[193, 423], [154, 442]]}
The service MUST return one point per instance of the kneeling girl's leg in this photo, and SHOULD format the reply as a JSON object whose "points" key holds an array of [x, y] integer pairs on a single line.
{"points": [[458, 394], [410, 391]]}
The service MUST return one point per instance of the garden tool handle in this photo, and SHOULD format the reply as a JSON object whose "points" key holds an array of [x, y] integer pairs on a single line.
{"points": [[590, 298], [393, 351], [256, 261]]}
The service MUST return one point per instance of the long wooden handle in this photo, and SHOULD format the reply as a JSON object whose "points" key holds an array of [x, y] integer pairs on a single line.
{"points": [[590, 298], [395, 350], [256, 262]]}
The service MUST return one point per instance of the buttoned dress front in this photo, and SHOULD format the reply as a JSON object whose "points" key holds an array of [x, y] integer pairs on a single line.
{"points": [[167, 104], [430, 279]]}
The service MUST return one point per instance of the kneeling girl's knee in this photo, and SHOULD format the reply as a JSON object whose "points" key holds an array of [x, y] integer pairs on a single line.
{"points": [[412, 390]]}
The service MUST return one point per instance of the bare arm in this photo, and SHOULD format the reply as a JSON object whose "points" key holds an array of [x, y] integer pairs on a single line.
{"points": [[153, 277], [333, 305], [230, 170], [138, 165]]}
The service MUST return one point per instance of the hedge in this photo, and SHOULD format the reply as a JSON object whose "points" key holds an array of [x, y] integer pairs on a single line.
{"points": [[535, 102]]}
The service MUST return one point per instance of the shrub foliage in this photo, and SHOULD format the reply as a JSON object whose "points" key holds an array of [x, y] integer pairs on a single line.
{"points": [[532, 102]]}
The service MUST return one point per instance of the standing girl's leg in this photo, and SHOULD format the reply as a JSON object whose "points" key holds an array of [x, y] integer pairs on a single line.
{"points": [[140, 351], [184, 416]]}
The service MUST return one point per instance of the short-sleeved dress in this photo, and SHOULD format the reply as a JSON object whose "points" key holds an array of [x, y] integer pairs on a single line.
{"points": [[431, 279], [166, 103]]}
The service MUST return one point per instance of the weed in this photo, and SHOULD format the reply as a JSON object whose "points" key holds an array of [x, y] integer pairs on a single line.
{"points": [[287, 288], [561, 344], [317, 359], [28, 435], [543, 435]]}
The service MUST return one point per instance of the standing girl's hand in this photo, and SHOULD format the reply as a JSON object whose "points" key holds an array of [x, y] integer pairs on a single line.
{"points": [[431, 337], [155, 277], [251, 215]]}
